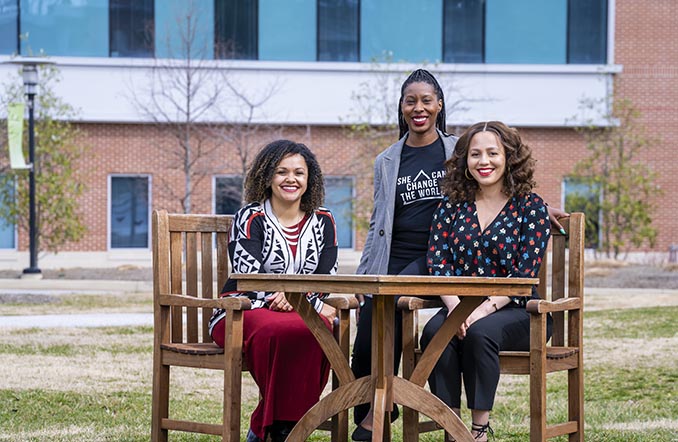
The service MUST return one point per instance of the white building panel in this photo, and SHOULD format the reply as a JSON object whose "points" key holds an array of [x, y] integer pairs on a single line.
{"points": [[107, 90]]}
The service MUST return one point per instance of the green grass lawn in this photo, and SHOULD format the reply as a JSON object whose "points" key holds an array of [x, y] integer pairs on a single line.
{"points": [[95, 384]]}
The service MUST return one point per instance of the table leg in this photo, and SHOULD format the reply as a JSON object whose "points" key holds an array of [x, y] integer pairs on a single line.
{"points": [[383, 321], [415, 397], [442, 337], [324, 337], [347, 396], [410, 393]]}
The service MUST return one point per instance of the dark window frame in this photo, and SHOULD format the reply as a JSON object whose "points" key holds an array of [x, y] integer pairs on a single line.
{"points": [[351, 180], [482, 35], [317, 34], [232, 176], [219, 50], [11, 226], [149, 204], [568, 55], [149, 34]]}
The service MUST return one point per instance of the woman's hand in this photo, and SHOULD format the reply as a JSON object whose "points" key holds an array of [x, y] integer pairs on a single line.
{"points": [[461, 333], [328, 312], [555, 215], [361, 302], [277, 302]]}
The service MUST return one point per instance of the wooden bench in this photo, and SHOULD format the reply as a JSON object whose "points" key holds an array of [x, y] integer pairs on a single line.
{"points": [[566, 276], [190, 266]]}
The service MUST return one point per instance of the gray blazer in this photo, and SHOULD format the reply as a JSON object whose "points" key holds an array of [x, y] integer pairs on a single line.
{"points": [[374, 259]]}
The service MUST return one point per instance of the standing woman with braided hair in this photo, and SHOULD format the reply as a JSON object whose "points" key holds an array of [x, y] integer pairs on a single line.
{"points": [[405, 195]]}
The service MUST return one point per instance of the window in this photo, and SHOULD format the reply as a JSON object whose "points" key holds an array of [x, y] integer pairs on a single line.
{"points": [[339, 199], [236, 29], [65, 28], [338, 30], [464, 31], [7, 230], [587, 31], [131, 28], [9, 26], [582, 196], [227, 194], [129, 211], [525, 31]]}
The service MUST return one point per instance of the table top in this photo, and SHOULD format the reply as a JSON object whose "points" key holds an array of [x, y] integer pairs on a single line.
{"points": [[387, 284]]}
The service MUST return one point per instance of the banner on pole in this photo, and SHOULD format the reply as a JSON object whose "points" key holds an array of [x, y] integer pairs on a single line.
{"points": [[15, 128]]}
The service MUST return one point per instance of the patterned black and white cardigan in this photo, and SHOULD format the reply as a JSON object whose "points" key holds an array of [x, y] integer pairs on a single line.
{"points": [[258, 245]]}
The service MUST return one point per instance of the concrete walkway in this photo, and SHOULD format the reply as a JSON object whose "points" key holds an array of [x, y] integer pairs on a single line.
{"points": [[24, 288], [77, 320]]}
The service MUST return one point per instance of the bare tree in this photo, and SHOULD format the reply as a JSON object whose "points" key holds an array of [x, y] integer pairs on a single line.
{"points": [[184, 90], [244, 132], [186, 97]]}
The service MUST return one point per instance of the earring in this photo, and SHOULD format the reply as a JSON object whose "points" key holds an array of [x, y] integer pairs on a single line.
{"points": [[466, 175]]}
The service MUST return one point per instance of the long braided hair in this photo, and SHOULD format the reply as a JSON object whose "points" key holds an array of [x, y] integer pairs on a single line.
{"points": [[421, 76]]}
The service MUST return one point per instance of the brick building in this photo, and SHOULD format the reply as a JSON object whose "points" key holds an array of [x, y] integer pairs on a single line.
{"points": [[526, 62]]}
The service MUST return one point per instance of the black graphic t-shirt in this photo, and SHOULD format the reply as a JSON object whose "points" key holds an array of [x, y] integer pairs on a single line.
{"points": [[417, 196]]}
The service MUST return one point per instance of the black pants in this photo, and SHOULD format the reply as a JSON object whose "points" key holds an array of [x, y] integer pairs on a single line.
{"points": [[476, 357], [361, 358]]}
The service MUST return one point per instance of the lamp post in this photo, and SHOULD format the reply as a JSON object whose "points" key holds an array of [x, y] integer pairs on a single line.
{"points": [[29, 68], [30, 74]]}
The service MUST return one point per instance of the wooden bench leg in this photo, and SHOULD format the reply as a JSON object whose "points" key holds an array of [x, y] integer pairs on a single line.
{"points": [[410, 416], [537, 378], [160, 407], [576, 402]]}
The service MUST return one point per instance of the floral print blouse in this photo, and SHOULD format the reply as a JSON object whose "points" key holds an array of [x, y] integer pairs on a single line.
{"points": [[513, 244]]}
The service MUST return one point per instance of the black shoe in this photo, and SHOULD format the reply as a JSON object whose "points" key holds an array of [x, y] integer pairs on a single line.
{"points": [[394, 414], [362, 434], [280, 430], [251, 437]]}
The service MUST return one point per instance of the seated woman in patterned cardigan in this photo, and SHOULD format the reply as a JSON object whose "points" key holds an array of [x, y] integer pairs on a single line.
{"points": [[488, 224], [282, 229]]}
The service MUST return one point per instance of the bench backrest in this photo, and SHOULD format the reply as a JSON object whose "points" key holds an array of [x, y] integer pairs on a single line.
{"points": [[190, 257], [563, 277]]}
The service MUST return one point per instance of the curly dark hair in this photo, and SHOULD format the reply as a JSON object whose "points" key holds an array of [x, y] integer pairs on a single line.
{"points": [[260, 176], [519, 172], [421, 76]]}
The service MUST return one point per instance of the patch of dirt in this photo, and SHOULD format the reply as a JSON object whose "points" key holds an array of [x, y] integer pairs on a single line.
{"points": [[631, 276], [120, 273]]}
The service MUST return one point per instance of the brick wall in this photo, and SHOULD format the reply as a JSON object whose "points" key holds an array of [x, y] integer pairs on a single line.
{"points": [[647, 48]]}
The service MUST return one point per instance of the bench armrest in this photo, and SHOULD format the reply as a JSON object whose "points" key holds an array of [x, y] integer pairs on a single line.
{"points": [[539, 306], [409, 303], [342, 302], [228, 303]]}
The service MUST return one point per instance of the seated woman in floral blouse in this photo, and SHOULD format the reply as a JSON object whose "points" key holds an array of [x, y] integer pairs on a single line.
{"points": [[488, 224]]}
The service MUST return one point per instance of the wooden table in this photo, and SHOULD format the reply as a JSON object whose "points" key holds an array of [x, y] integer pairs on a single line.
{"points": [[382, 388]]}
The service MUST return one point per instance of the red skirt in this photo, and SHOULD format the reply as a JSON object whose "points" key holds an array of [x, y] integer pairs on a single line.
{"points": [[285, 361]]}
